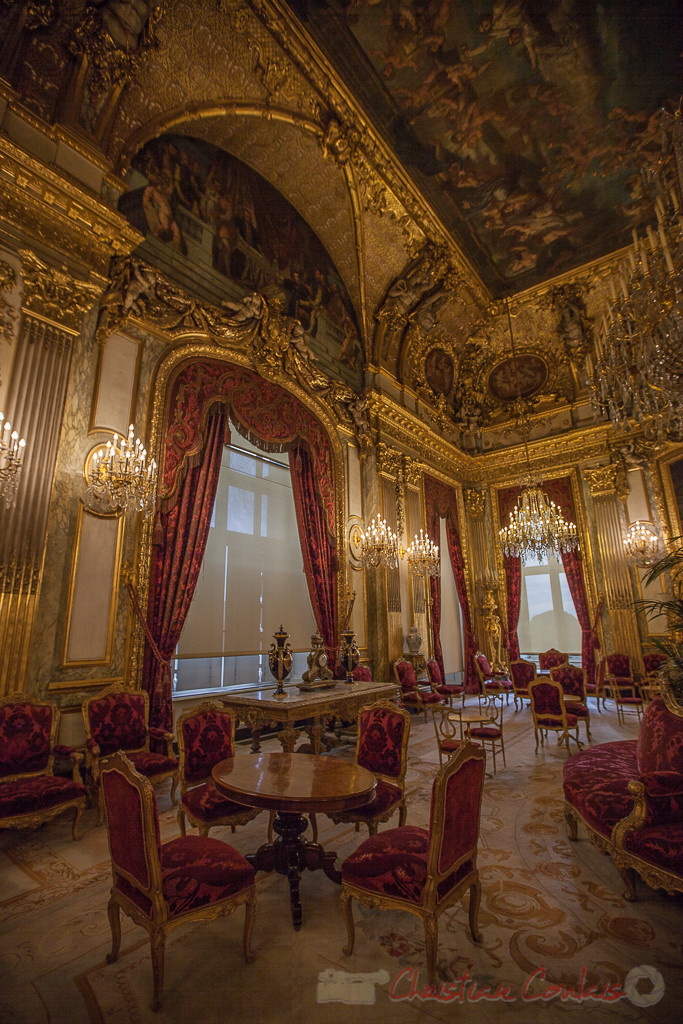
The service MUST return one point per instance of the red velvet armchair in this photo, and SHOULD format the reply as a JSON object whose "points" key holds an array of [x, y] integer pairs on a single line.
{"points": [[550, 713], [381, 747], [552, 658], [447, 690], [491, 683], [206, 735], [413, 695], [30, 792], [573, 683], [117, 720], [424, 871], [621, 685], [162, 885], [523, 675]]}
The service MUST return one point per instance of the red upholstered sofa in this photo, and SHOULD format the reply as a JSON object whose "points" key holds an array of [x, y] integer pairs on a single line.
{"points": [[628, 795]]}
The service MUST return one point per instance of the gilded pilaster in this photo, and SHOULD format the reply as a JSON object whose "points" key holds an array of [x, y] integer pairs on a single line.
{"points": [[608, 488], [53, 306], [475, 517]]}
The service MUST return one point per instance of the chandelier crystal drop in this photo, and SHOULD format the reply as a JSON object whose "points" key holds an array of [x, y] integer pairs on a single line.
{"points": [[423, 557], [638, 373], [641, 543], [378, 544], [121, 477], [537, 527], [11, 460]]}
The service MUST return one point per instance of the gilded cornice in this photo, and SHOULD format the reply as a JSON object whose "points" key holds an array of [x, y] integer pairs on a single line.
{"points": [[48, 207], [475, 502], [606, 482], [53, 295]]}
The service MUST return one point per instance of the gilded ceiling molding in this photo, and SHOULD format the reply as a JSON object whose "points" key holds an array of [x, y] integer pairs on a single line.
{"points": [[8, 314], [475, 502], [607, 482], [274, 345], [53, 295], [39, 203]]}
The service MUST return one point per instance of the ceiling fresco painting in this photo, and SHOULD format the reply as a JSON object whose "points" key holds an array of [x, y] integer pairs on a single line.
{"points": [[526, 122], [209, 207]]}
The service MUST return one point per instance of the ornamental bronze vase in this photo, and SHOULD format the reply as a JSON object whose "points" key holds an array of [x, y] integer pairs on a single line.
{"points": [[349, 655], [280, 659]]}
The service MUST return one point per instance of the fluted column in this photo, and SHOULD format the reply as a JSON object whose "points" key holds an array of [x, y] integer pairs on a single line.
{"points": [[607, 486], [52, 310]]}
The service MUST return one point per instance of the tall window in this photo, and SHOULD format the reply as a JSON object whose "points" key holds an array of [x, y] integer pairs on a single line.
{"points": [[252, 578], [546, 616]]}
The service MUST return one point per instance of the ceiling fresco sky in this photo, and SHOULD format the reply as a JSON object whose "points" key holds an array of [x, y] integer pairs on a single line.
{"points": [[524, 122]]}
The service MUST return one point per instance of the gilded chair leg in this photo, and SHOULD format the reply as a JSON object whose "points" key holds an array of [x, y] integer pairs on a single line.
{"points": [[174, 786], [157, 941], [271, 820], [475, 900], [314, 826], [248, 927], [372, 828], [114, 913], [502, 747], [181, 821], [629, 877], [431, 945], [402, 813], [345, 901], [536, 736], [78, 811]]}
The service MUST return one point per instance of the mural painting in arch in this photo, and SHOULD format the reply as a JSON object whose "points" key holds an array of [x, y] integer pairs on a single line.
{"points": [[203, 209]]}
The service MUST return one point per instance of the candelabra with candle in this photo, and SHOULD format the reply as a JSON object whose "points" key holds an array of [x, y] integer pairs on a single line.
{"points": [[121, 476], [11, 460]]}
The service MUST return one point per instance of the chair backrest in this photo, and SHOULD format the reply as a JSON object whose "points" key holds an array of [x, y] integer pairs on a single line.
{"points": [[134, 840], [455, 815], [571, 679], [404, 674], [653, 662], [27, 734], [523, 673], [445, 726], [117, 719], [619, 666], [434, 673], [483, 665], [551, 659], [382, 742], [362, 674], [546, 701], [206, 735]]}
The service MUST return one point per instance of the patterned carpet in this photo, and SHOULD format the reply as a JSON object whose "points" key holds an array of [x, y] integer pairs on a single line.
{"points": [[551, 910]]}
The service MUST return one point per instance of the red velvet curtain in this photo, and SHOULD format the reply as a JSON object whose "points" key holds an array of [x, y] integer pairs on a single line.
{"points": [[513, 594], [559, 491], [180, 541], [441, 503], [317, 547], [573, 569], [507, 500]]}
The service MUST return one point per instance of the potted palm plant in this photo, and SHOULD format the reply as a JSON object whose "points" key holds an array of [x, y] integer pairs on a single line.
{"points": [[670, 605]]}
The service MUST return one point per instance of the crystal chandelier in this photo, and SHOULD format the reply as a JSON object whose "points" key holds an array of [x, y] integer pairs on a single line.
{"points": [[641, 543], [378, 544], [11, 460], [423, 557], [536, 525], [638, 372], [121, 477]]}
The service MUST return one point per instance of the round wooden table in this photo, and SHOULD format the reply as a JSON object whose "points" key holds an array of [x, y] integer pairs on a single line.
{"points": [[294, 785], [470, 718]]}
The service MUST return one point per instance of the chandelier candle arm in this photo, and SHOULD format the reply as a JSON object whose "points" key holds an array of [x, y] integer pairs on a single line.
{"points": [[11, 460], [120, 475]]}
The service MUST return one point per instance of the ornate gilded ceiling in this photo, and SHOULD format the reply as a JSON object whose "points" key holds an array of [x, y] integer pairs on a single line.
{"points": [[523, 121], [441, 163]]}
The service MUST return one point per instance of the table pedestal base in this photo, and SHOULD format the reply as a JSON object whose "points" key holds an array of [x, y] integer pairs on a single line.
{"points": [[290, 855]]}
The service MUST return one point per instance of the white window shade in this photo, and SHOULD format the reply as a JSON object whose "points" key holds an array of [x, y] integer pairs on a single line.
{"points": [[252, 579], [450, 632]]}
